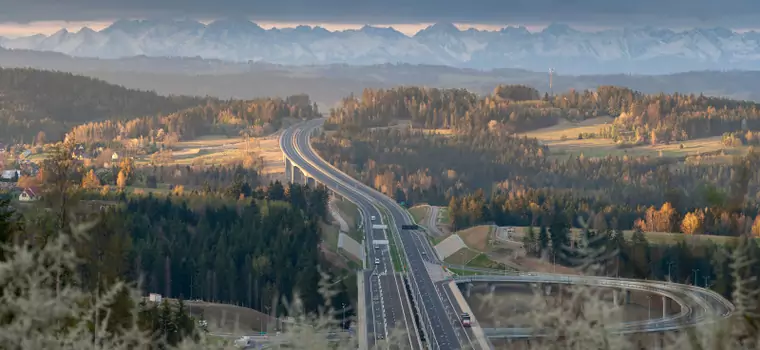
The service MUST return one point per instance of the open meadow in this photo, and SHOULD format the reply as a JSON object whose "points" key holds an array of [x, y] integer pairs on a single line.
{"points": [[262, 153], [563, 142]]}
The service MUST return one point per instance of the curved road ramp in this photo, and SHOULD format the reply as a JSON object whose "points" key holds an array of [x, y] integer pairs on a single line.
{"points": [[439, 322]]}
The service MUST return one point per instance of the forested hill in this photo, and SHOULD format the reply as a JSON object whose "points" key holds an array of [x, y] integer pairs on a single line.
{"points": [[46, 105], [32, 101], [639, 117], [251, 252]]}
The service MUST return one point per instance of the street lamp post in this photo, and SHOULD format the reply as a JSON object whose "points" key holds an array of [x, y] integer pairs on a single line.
{"points": [[267, 308], [554, 261], [343, 318]]}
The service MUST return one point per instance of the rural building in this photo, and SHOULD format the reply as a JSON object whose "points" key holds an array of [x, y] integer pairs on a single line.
{"points": [[156, 298], [29, 194], [10, 174]]}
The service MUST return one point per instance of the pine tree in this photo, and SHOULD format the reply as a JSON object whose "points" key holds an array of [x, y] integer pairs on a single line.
{"points": [[560, 236], [543, 239]]}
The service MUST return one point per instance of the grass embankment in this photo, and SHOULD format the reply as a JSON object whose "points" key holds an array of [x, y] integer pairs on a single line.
{"points": [[443, 215], [462, 256], [419, 213], [350, 213], [394, 250], [435, 240]]}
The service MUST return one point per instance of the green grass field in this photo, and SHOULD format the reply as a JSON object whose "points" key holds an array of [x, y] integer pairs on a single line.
{"points": [[563, 142], [483, 261], [349, 212], [394, 250]]}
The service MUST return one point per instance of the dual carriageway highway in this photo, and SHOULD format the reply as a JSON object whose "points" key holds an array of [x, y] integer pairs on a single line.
{"points": [[389, 304]]}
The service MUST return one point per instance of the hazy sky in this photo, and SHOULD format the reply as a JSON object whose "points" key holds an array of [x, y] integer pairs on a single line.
{"points": [[406, 15]]}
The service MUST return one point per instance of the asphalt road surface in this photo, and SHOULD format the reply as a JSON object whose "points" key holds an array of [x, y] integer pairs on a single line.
{"points": [[388, 305], [441, 323]]}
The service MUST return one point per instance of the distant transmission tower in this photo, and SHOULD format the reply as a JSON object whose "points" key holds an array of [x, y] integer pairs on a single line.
{"points": [[551, 81]]}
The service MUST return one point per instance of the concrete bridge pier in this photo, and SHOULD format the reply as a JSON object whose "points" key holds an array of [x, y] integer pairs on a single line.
{"points": [[548, 289], [468, 289], [664, 306], [491, 287], [297, 175], [627, 296], [288, 168]]}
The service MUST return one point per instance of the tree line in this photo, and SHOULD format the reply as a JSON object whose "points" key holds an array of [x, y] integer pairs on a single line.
{"points": [[245, 244], [233, 118], [532, 207], [415, 167], [35, 101], [638, 117], [39, 106], [705, 264]]}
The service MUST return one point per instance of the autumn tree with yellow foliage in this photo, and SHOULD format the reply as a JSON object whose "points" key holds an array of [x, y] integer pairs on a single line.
{"points": [[121, 180], [693, 223], [90, 180], [756, 227], [127, 166], [663, 220]]}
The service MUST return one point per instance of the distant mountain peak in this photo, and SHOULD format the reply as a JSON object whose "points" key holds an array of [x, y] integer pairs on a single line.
{"points": [[235, 24], [559, 29], [381, 31], [644, 49], [440, 28]]}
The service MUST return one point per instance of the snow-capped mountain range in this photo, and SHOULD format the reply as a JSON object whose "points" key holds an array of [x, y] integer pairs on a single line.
{"points": [[569, 51]]}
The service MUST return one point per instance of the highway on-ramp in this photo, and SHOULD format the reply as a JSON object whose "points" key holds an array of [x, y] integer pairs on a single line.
{"points": [[439, 322], [439, 316]]}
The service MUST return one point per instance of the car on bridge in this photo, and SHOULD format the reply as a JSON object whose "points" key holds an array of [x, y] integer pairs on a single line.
{"points": [[466, 320]]}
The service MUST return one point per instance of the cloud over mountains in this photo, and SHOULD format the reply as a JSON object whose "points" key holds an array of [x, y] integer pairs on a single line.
{"points": [[669, 13]]}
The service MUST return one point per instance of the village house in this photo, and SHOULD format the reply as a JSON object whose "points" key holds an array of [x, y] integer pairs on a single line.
{"points": [[29, 194], [9, 175]]}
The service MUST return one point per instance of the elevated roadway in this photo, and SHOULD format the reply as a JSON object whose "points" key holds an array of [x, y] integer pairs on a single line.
{"points": [[388, 306], [439, 315]]}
